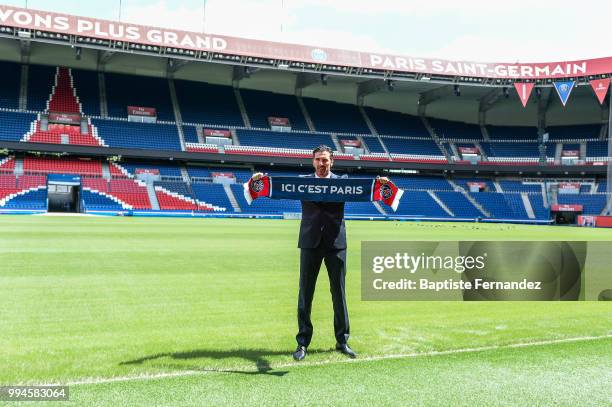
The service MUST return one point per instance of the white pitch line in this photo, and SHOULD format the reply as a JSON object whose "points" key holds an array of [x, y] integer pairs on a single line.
{"points": [[182, 373]]}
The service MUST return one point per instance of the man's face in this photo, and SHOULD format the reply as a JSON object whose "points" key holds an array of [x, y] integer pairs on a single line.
{"points": [[322, 163]]}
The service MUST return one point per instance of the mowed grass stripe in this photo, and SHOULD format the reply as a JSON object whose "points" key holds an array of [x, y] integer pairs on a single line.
{"points": [[302, 364], [565, 374]]}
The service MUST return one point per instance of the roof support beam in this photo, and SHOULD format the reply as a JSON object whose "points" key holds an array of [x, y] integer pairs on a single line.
{"points": [[173, 65], [432, 95], [104, 57], [303, 80], [368, 87], [489, 100], [544, 101], [25, 46], [241, 72]]}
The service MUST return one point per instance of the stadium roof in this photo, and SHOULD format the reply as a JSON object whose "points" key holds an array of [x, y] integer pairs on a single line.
{"points": [[385, 81]]}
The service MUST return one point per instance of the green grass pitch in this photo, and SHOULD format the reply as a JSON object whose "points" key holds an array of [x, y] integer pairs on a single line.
{"points": [[152, 311]]}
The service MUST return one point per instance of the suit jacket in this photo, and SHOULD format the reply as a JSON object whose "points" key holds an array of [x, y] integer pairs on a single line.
{"points": [[322, 223]]}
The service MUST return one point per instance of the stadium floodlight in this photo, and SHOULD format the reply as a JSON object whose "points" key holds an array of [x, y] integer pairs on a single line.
{"points": [[456, 90], [324, 79], [24, 34]]}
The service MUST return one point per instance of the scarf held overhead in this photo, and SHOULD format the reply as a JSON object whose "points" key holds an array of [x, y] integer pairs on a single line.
{"points": [[323, 190]]}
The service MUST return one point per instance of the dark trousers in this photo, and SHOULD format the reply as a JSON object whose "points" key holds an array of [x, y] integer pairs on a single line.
{"points": [[310, 264]]}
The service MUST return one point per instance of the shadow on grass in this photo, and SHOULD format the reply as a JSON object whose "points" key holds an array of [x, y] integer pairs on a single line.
{"points": [[259, 357]]}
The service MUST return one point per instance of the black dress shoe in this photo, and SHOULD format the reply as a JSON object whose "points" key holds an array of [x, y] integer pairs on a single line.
{"points": [[345, 349], [300, 353]]}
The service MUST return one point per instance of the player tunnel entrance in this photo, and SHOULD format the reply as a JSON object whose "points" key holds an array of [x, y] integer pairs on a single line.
{"points": [[64, 193]]}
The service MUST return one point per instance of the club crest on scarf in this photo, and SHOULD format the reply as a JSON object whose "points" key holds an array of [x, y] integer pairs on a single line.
{"points": [[386, 191]]}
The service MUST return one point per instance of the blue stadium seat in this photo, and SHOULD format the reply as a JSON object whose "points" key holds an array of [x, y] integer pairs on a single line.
{"points": [[87, 90], [411, 146], [513, 133], [597, 148], [277, 139], [373, 144], [577, 132], [518, 186], [132, 90], [213, 194], [190, 134], [261, 105], [421, 182], [592, 204], [335, 117], [507, 149], [502, 206], [32, 200], [96, 201], [9, 86], [40, 82], [175, 186], [459, 204], [455, 130], [537, 204], [155, 136], [420, 203], [15, 125], [395, 123], [165, 169], [205, 103]]}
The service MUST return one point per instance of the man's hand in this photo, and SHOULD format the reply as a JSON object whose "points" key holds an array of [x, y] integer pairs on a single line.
{"points": [[383, 180], [257, 176]]}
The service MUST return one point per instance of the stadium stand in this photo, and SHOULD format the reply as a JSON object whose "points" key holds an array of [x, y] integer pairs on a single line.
{"points": [[519, 186], [497, 133], [261, 105], [41, 80], [29, 199], [458, 204], [213, 194], [396, 124], [204, 103], [414, 147], [191, 134], [94, 200], [592, 204], [501, 206], [402, 138], [15, 125], [132, 90], [9, 86], [298, 141], [455, 130], [420, 203], [165, 169], [374, 144], [537, 204], [153, 136], [62, 166], [569, 133], [335, 117], [86, 85]]}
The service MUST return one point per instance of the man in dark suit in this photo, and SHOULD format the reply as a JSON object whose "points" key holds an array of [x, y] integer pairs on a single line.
{"points": [[322, 238]]}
